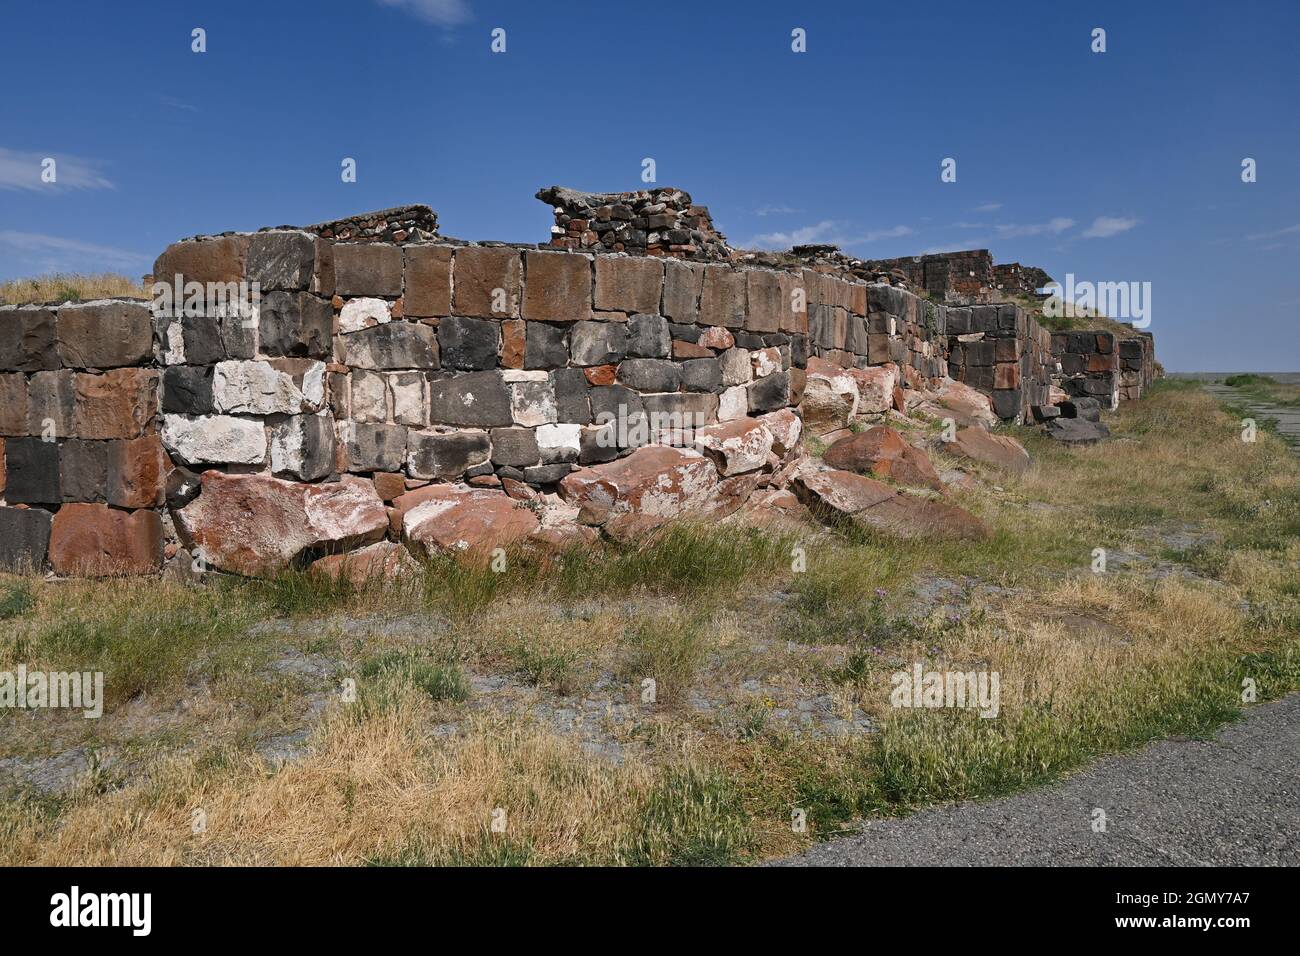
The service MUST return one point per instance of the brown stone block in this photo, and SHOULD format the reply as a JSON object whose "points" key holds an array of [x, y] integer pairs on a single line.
{"points": [[105, 334], [1101, 362], [479, 272], [766, 308], [428, 281], [1006, 375], [215, 259], [629, 284], [368, 268], [557, 287], [117, 404], [13, 404], [137, 472], [722, 299], [794, 304], [93, 540], [512, 343], [683, 285]]}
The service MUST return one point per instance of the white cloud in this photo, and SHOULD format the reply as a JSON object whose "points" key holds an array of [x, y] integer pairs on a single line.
{"points": [[988, 207], [775, 211], [1275, 234], [1103, 227], [828, 231], [56, 254], [443, 13], [19, 170], [1054, 227]]}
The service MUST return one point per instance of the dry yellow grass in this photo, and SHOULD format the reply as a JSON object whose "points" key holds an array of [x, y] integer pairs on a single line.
{"points": [[70, 287]]}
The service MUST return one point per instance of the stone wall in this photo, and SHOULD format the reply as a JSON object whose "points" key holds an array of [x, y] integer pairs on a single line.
{"points": [[396, 386], [1001, 351], [965, 277]]}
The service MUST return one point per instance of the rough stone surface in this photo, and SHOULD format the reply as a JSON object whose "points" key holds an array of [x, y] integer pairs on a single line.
{"points": [[446, 455], [456, 520], [302, 447], [118, 404], [51, 405], [373, 447], [105, 334], [94, 540], [258, 525], [476, 399], [999, 451], [367, 268], [735, 447], [649, 486], [883, 452], [648, 336], [214, 439], [83, 470], [292, 261], [137, 472], [468, 343], [427, 290], [487, 282], [626, 284], [558, 287], [363, 313], [395, 345], [293, 323], [27, 340], [260, 388], [24, 538], [378, 563]]}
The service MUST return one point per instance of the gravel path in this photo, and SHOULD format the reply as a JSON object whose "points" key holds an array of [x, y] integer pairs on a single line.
{"points": [[1230, 801]]}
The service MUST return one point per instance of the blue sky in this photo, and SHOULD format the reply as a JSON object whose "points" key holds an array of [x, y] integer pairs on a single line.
{"points": [[1122, 166]]}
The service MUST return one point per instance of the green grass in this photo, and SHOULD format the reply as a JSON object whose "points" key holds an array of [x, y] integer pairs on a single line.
{"points": [[440, 678], [16, 600]]}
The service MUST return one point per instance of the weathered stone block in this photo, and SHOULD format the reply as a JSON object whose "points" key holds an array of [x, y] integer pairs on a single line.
{"points": [[571, 401], [468, 343], [479, 399], [516, 447], [13, 404], [206, 339], [722, 300], [598, 343], [187, 390], [765, 305], [27, 342], [291, 261], [214, 439], [395, 345], [546, 347], [532, 403], [558, 287], [92, 540], [546, 474], [672, 410], [447, 454], [302, 447], [367, 268], [648, 336], [256, 524], [487, 282], [407, 391], [650, 375], [32, 472], [294, 323], [559, 442], [701, 375], [137, 472], [428, 281], [261, 388], [769, 393], [24, 538], [364, 312], [513, 343], [51, 404], [105, 334], [628, 284], [373, 447], [208, 259], [118, 404], [683, 285], [614, 402], [83, 470]]}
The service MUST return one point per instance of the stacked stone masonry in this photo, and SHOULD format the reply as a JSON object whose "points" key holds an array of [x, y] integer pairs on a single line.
{"points": [[385, 378]]}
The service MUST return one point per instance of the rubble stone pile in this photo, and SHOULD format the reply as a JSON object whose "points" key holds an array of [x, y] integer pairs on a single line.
{"points": [[656, 222]]}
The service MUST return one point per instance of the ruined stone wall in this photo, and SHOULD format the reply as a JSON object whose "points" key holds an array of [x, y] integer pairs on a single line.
{"points": [[1001, 351], [1090, 365], [1137, 365]]}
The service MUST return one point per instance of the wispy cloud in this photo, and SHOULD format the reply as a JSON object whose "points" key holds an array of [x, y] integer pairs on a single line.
{"points": [[1103, 227], [57, 254], [988, 207], [442, 13], [1053, 227], [827, 231], [775, 211], [22, 170], [1275, 234]]}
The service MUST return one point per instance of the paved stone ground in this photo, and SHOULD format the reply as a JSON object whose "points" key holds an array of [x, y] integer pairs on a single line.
{"points": [[1230, 801], [1288, 419]]}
